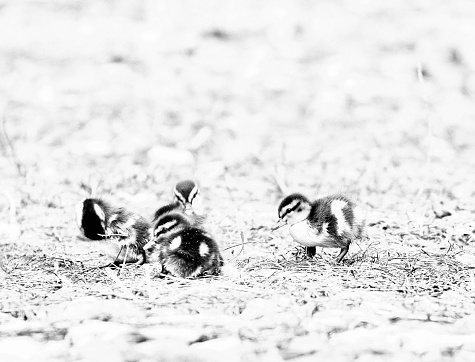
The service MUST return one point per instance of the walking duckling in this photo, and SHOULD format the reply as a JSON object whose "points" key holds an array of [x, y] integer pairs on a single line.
{"points": [[120, 233], [328, 222], [187, 200], [183, 250]]}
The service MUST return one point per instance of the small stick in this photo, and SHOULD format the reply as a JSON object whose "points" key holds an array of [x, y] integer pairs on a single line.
{"points": [[233, 246]]}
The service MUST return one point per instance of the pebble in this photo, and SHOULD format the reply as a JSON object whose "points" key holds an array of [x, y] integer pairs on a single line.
{"points": [[326, 322], [19, 327], [305, 345], [424, 340], [364, 340], [95, 340], [22, 349], [229, 349], [181, 335], [118, 310], [465, 325], [168, 351]]}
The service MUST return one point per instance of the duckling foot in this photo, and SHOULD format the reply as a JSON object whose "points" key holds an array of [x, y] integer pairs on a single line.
{"points": [[342, 254], [311, 251]]}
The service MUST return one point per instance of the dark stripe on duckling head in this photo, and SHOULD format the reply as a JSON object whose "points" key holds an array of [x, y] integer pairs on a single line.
{"points": [[170, 222], [294, 205], [165, 210], [291, 203], [193, 193]]}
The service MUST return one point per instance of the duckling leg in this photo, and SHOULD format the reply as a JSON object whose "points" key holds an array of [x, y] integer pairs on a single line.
{"points": [[142, 258], [311, 251], [342, 254]]}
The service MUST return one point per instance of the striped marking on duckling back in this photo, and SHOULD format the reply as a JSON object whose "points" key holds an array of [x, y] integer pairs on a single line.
{"points": [[337, 207]]}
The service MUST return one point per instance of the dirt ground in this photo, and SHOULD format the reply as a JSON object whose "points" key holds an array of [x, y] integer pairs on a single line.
{"points": [[253, 99]]}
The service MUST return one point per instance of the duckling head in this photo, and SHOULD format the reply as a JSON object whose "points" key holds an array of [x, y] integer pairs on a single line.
{"points": [[293, 209], [171, 223], [187, 193]]}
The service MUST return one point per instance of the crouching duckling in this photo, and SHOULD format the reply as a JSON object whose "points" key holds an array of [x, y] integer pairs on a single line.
{"points": [[183, 250], [328, 222], [120, 233], [187, 199]]}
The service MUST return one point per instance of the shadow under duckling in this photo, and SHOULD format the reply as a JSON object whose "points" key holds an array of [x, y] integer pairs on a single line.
{"points": [[182, 249], [328, 222], [119, 233]]}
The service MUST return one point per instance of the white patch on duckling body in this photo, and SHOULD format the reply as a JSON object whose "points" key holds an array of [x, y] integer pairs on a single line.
{"points": [[175, 244], [337, 210], [204, 249], [306, 235]]}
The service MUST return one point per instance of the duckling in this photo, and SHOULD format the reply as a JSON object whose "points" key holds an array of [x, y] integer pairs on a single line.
{"points": [[187, 200], [122, 234], [183, 250], [329, 222]]}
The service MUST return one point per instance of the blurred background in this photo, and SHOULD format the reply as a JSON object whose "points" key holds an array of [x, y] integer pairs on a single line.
{"points": [[251, 98]]}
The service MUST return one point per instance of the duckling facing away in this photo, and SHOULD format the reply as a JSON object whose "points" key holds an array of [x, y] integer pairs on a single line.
{"points": [[328, 222], [183, 250], [186, 199], [120, 233]]}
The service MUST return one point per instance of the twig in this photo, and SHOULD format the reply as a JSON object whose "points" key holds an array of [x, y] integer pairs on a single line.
{"points": [[226, 184]]}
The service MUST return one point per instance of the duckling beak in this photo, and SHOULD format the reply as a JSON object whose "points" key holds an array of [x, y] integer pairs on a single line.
{"points": [[278, 225], [188, 208], [149, 245]]}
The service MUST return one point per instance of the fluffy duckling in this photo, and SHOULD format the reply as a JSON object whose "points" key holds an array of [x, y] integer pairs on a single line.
{"points": [[329, 222], [187, 200], [121, 233], [183, 250]]}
